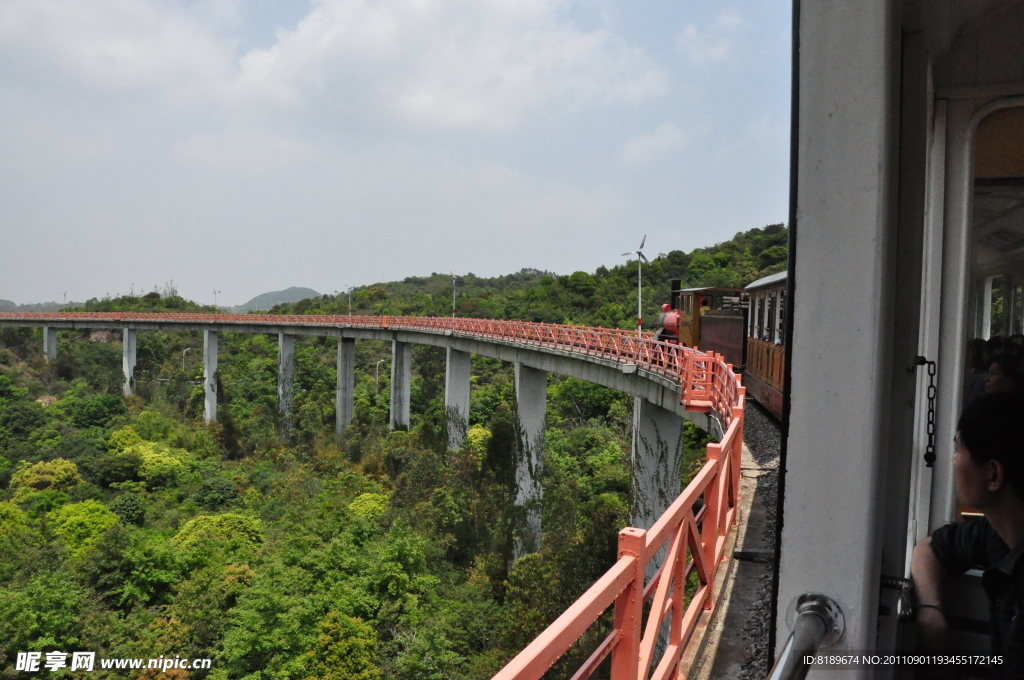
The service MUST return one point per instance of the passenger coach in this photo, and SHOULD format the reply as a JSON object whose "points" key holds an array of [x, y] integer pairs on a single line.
{"points": [[765, 365]]}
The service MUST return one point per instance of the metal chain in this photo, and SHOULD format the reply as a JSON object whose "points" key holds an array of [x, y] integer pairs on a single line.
{"points": [[929, 452]]}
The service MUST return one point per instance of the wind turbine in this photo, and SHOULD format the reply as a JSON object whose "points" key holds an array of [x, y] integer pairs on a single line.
{"points": [[215, 297], [640, 259]]}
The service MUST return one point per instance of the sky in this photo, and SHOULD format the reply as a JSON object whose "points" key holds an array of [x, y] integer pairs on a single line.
{"points": [[244, 146]]}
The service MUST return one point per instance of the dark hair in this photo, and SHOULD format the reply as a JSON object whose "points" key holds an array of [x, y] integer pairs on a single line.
{"points": [[1009, 365], [992, 428], [978, 354]]}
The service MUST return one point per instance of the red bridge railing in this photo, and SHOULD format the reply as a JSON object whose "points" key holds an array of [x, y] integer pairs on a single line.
{"points": [[695, 539], [696, 544]]}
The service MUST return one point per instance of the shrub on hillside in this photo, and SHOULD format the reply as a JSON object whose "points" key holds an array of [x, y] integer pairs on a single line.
{"points": [[82, 524], [58, 474], [229, 531], [129, 508], [98, 411], [216, 493]]}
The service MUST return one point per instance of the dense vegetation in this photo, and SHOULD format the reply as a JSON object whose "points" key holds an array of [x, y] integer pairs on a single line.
{"points": [[605, 298], [129, 528]]}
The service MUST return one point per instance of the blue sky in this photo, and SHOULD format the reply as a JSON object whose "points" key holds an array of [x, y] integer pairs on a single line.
{"points": [[247, 146]]}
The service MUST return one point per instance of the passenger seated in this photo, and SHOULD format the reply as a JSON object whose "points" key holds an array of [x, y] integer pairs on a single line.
{"points": [[1004, 374], [989, 471]]}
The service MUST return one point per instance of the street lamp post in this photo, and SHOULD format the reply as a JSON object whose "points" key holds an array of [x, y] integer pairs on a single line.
{"points": [[378, 374]]}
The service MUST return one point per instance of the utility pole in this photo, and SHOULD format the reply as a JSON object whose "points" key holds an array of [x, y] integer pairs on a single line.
{"points": [[453, 295]]}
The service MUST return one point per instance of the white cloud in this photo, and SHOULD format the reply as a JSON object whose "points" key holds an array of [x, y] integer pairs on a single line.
{"points": [[447, 63], [654, 146], [415, 63], [714, 44], [126, 52]]}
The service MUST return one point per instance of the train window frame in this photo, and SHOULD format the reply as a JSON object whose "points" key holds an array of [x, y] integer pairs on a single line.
{"points": [[780, 325], [759, 331], [752, 316]]}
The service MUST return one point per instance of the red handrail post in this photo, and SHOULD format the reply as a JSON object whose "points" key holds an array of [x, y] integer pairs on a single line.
{"points": [[629, 608], [712, 518], [737, 414]]}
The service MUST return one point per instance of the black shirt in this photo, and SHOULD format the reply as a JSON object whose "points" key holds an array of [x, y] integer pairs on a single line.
{"points": [[975, 544]]}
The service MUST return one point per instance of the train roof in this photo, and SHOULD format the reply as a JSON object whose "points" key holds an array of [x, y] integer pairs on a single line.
{"points": [[768, 281], [711, 288]]}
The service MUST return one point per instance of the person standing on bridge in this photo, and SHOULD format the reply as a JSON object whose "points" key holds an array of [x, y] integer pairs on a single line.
{"points": [[989, 471]]}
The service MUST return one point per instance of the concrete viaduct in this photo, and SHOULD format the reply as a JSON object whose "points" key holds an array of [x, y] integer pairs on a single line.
{"points": [[669, 383]]}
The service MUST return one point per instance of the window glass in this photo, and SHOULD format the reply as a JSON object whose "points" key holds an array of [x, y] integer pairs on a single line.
{"points": [[997, 256], [760, 315]]}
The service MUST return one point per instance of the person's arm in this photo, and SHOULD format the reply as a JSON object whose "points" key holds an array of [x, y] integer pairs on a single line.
{"points": [[929, 578]]}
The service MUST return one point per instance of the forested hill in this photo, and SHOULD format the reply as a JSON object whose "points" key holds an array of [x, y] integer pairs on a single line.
{"points": [[606, 297]]}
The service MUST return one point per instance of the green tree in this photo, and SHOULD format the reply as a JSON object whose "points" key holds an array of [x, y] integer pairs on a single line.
{"points": [[82, 524], [98, 411], [130, 567], [130, 508], [229, 531], [57, 474], [345, 649], [42, 612]]}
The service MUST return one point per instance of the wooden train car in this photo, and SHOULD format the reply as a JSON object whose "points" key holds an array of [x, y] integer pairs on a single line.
{"points": [[712, 319], [765, 364]]}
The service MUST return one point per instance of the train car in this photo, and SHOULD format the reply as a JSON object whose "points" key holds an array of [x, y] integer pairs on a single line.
{"points": [[712, 319], [764, 368]]}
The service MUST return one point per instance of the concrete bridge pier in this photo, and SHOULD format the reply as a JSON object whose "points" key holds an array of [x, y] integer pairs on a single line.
{"points": [[50, 343], [657, 464], [345, 397], [285, 380], [210, 342], [401, 376], [456, 396], [128, 360], [531, 400]]}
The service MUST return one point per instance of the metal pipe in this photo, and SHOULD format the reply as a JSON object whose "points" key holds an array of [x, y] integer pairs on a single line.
{"points": [[817, 618]]}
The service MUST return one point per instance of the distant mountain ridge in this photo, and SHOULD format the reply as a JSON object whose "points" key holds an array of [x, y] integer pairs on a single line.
{"points": [[11, 306], [264, 301]]}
